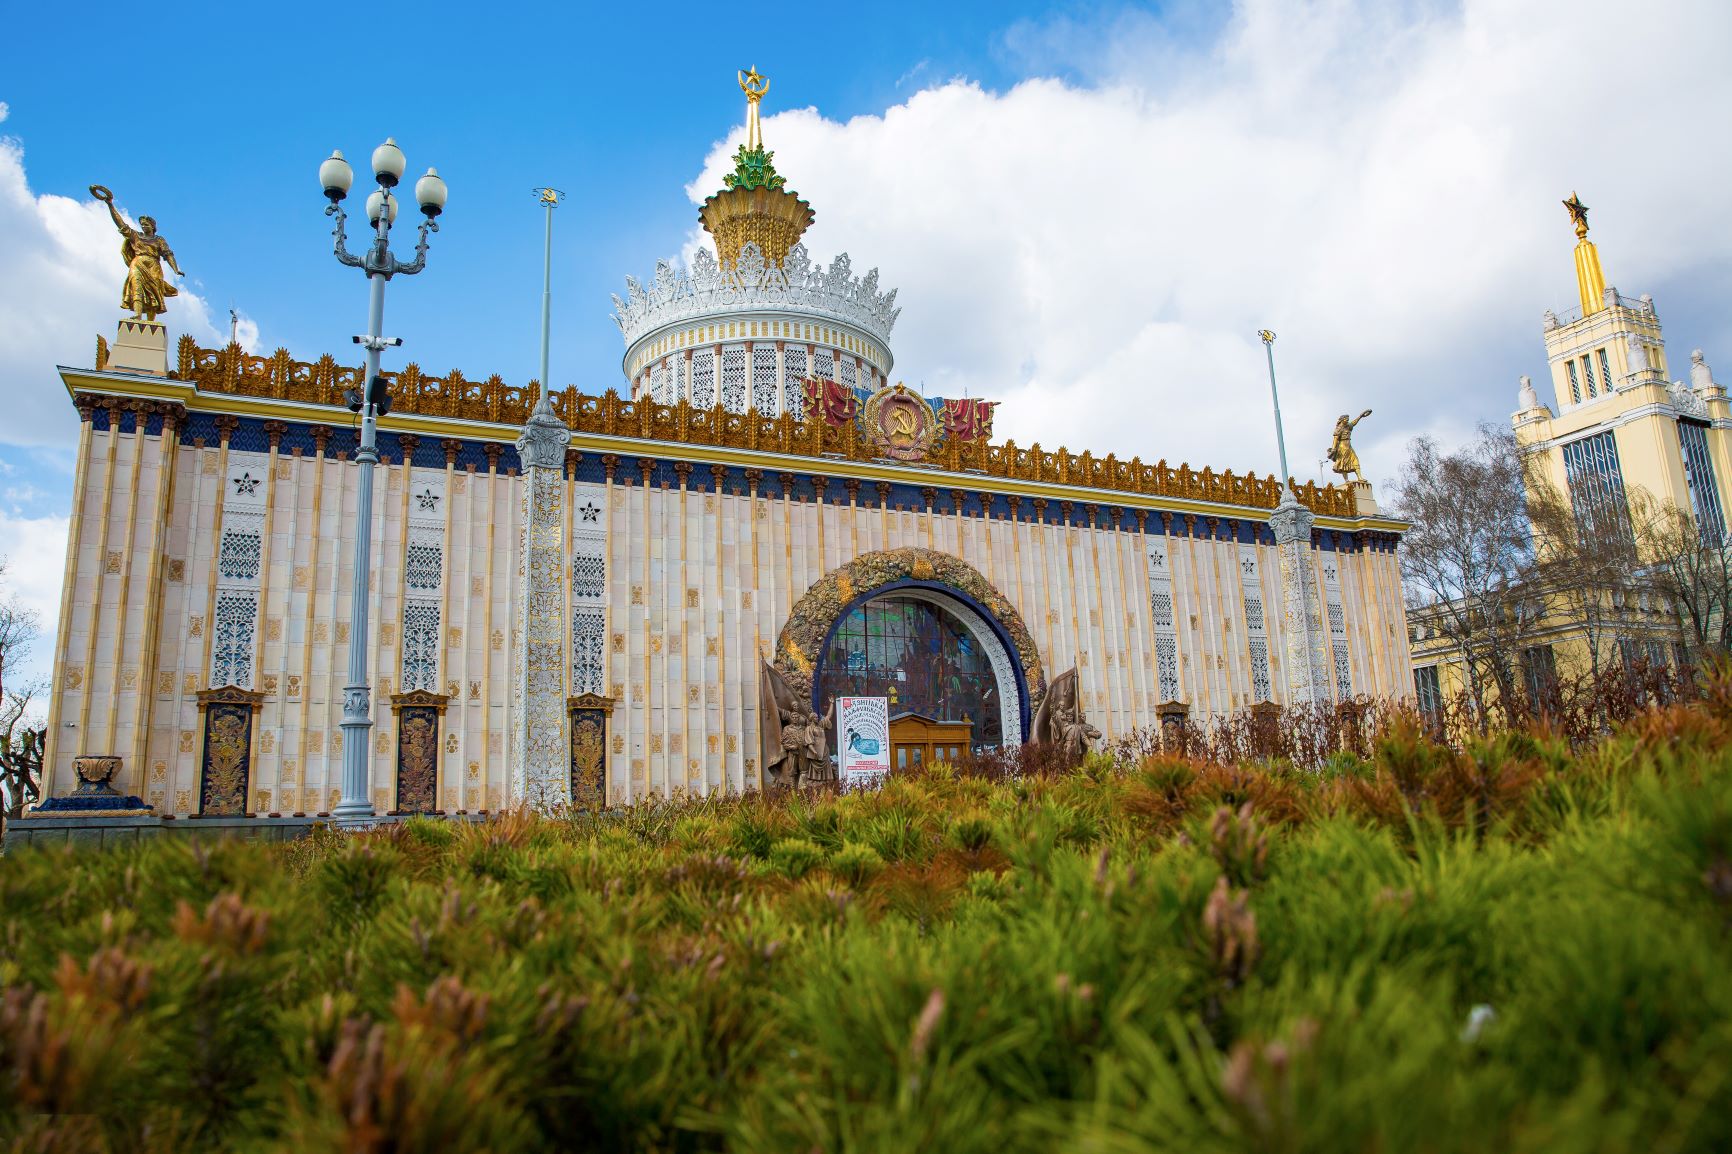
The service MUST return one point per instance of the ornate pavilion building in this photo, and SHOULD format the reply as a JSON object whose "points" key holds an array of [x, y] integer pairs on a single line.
{"points": [[598, 617]]}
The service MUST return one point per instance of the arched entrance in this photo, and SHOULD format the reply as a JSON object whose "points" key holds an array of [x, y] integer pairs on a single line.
{"points": [[925, 630]]}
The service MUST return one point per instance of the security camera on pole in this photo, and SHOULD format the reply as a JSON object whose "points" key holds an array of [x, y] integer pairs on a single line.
{"points": [[372, 400]]}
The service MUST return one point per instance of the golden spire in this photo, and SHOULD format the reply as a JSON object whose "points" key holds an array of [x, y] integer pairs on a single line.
{"points": [[754, 85], [756, 206], [1590, 281]]}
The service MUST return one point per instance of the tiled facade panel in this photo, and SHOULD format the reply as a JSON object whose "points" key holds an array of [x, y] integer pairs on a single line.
{"points": [[697, 583]]}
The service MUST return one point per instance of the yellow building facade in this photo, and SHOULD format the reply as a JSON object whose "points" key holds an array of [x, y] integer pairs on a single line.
{"points": [[1616, 428]]}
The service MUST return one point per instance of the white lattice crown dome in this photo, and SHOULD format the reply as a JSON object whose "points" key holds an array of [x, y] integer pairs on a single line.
{"points": [[755, 287]]}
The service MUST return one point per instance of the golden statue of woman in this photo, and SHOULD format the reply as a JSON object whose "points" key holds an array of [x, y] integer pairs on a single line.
{"points": [[147, 290], [1341, 453]]}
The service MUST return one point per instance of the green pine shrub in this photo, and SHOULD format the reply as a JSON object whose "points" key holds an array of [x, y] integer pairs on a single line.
{"points": [[856, 862], [1523, 944], [795, 857]]}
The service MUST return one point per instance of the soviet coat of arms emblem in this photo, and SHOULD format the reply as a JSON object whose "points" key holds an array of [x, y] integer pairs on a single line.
{"points": [[900, 423]]}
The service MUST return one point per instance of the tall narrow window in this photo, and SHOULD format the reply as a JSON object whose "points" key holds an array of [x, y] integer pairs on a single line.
{"points": [[1575, 383], [1596, 483], [734, 378], [1539, 665], [794, 371], [1428, 692], [764, 385], [1699, 477], [1605, 371], [704, 378], [1588, 372]]}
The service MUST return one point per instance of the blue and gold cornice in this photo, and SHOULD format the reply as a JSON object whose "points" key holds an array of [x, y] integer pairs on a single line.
{"points": [[482, 421]]}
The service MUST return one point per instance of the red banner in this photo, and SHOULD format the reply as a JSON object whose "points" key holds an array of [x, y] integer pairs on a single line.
{"points": [[835, 402], [967, 420]]}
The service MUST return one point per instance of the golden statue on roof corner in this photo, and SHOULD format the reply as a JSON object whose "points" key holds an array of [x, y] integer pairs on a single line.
{"points": [[1341, 454], [754, 85], [146, 290]]}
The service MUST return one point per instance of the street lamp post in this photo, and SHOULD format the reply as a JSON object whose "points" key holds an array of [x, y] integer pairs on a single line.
{"points": [[372, 401]]}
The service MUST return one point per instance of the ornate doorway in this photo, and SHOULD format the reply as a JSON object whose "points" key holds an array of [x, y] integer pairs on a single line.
{"points": [[925, 630], [911, 648]]}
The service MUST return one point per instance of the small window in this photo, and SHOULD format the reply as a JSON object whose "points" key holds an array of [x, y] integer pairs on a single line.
{"points": [[1588, 372], [1605, 371], [1575, 383]]}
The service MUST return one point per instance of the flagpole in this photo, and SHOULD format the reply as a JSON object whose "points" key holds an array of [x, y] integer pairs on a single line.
{"points": [[550, 197], [1268, 339]]}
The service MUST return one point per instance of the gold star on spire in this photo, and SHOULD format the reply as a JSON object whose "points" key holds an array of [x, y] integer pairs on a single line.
{"points": [[1590, 281], [754, 84]]}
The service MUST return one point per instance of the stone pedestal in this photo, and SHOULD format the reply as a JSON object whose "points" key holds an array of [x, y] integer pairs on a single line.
{"points": [[139, 347], [1363, 502], [540, 746], [1302, 629], [95, 796]]}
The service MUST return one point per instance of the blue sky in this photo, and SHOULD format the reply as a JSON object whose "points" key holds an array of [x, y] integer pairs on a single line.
{"points": [[617, 105], [1088, 210]]}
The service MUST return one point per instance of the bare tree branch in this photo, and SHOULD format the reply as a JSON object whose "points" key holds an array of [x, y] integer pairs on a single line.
{"points": [[1467, 563]]}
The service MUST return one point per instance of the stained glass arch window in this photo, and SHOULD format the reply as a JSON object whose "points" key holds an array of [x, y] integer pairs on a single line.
{"points": [[920, 654]]}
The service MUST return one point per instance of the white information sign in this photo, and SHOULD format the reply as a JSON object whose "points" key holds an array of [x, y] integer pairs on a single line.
{"points": [[863, 740]]}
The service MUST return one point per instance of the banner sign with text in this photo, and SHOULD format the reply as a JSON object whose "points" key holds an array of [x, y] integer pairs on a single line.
{"points": [[863, 740]]}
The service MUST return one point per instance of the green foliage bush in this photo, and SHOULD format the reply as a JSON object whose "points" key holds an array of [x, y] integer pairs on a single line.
{"points": [[795, 857], [1511, 946]]}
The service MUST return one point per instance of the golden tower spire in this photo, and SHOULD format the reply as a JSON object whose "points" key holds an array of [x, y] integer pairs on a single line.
{"points": [[1590, 281], [756, 206], [754, 85]]}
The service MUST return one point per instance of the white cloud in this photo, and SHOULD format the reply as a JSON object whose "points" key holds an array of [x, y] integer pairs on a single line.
{"points": [[1379, 186], [33, 550], [62, 289]]}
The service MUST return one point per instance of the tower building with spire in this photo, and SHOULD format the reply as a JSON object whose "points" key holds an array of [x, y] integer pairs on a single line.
{"points": [[1621, 424], [1614, 447], [747, 325]]}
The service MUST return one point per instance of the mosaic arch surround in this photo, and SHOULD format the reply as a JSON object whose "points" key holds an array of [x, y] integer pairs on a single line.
{"points": [[936, 578]]}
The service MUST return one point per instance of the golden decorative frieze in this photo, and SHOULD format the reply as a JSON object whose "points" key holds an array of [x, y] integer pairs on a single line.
{"points": [[233, 372], [419, 699]]}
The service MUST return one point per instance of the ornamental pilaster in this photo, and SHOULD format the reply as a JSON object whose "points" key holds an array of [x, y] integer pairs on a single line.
{"points": [[540, 747], [1307, 663]]}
